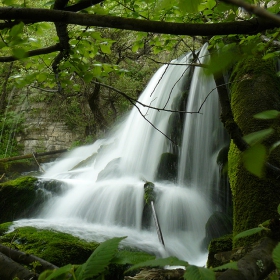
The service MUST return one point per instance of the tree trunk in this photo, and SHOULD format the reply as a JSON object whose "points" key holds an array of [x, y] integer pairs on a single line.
{"points": [[255, 88]]}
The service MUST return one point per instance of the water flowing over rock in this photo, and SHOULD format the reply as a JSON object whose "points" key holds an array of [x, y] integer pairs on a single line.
{"points": [[113, 205]]}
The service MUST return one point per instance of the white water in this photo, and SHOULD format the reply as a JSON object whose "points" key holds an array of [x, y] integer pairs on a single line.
{"points": [[112, 206]]}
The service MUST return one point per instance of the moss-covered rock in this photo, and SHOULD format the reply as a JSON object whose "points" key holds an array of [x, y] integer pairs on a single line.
{"points": [[14, 169], [53, 246], [255, 88], [167, 168], [218, 245], [17, 198], [219, 224], [5, 227]]}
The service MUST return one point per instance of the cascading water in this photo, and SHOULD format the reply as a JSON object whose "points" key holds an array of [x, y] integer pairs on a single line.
{"points": [[102, 184]]}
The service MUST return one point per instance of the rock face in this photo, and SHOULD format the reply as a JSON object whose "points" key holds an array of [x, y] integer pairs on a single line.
{"points": [[46, 136], [42, 132]]}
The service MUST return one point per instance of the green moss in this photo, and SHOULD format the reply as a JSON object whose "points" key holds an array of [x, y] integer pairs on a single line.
{"points": [[255, 88], [56, 247], [149, 193], [4, 227], [14, 169], [218, 245], [16, 198]]}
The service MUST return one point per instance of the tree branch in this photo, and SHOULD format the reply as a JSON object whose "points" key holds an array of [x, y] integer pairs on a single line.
{"points": [[26, 259], [134, 101], [253, 9], [46, 50], [252, 26], [82, 5]]}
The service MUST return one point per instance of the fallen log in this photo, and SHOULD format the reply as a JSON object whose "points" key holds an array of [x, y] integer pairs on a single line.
{"points": [[26, 259], [10, 269], [255, 265], [31, 155]]}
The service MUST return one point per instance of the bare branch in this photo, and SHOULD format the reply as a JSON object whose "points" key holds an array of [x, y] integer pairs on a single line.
{"points": [[178, 64], [134, 101]]}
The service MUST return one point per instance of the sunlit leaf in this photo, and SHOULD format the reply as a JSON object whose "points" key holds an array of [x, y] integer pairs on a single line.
{"points": [[248, 232], [258, 136], [199, 273], [190, 6], [105, 48], [254, 159], [267, 115], [15, 30], [269, 55]]}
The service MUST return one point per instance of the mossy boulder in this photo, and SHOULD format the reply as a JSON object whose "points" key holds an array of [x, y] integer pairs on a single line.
{"points": [[17, 198], [14, 169], [53, 246], [168, 167], [219, 224], [4, 227], [255, 88], [218, 245]]}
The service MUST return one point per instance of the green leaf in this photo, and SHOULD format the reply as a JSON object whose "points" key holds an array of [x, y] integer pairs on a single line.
{"points": [[19, 53], [269, 55], [100, 258], [159, 262], [274, 146], [276, 256], [127, 257], [248, 232], [189, 6], [267, 115], [255, 137], [278, 209], [231, 265], [17, 29], [199, 273], [41, 77], [105, 48], [254, 159], [57, 272]]}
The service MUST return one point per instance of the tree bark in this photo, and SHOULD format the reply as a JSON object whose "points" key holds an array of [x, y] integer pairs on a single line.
{"points": [[10, 269], [31, 155], [26, 259]]}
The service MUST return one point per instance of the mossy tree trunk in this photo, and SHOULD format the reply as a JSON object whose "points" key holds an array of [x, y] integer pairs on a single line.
{"points": [[255, 88]]}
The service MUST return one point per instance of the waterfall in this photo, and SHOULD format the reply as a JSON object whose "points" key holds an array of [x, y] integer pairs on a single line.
{"points": [[102, 184]]}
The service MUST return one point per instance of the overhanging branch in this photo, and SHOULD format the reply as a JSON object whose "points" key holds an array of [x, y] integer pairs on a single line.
{"points": [[252, 26], [46, 50]]}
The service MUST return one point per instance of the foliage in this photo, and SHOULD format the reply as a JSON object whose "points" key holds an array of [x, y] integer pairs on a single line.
{"points": [[256, 156]]}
